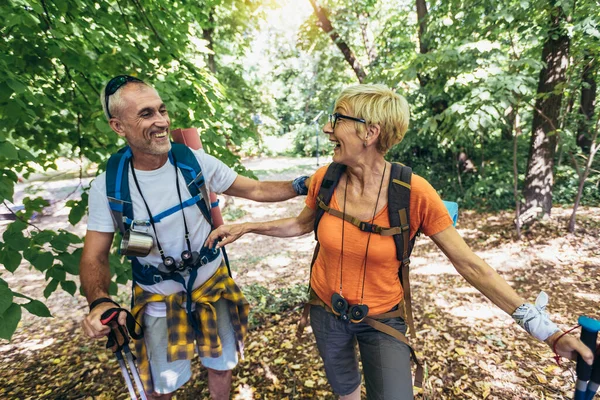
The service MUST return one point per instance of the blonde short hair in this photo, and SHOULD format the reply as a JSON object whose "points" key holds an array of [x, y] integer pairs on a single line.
{"points": [[377, 104]]}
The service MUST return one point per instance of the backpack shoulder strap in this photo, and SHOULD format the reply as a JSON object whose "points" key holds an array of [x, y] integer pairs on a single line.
{"points": [[399, 213], [399, 208], [192, 173], [330, 181], [117, 188]]}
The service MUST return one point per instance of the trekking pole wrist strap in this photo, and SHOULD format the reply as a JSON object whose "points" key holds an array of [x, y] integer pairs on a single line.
{"points": [[102, 300]]}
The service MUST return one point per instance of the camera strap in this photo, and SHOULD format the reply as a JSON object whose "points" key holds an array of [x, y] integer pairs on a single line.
{"points": [[151, 218]]}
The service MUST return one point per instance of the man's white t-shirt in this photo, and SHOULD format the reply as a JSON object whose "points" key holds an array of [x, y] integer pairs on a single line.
{"points": [[160, 192]]}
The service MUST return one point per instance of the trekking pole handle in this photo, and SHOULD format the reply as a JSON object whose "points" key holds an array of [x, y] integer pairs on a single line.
{"points": [[111, 315]]}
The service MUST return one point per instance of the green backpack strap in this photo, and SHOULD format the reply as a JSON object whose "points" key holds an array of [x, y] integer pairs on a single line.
{"points": [[399, 209]]}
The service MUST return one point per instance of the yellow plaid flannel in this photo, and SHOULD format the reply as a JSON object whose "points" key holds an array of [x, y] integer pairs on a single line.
{"points": [[180, 333]]}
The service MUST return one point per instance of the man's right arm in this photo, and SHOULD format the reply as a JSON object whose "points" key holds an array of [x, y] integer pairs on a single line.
{"points": [[95, 280]]}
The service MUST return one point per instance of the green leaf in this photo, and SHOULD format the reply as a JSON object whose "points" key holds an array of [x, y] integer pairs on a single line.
{"points": [[17, 86], [50, 288], [69, 287], [36, 7], [113, 289], [8, 151], [15, 239], [9, 321], [38, 308], [71, 237], [78, 209], [57, 272], [60, 242], [70, 261], [7, 188], [10, 258], [43, 237], [6, 298], [43, 261], [31, 254]]}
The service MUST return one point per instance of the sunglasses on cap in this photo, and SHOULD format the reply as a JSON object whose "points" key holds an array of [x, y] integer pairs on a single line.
{"points": [[115, 84]]}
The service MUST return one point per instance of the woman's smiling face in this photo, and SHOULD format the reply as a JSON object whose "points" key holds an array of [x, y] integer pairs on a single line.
{"points": [[344, 136]]}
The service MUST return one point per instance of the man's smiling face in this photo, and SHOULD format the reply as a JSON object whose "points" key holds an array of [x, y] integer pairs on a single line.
{"points": [[145, 120]]}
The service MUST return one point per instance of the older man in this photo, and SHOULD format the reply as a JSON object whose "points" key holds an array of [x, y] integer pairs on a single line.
{"points": [[147, 184]]}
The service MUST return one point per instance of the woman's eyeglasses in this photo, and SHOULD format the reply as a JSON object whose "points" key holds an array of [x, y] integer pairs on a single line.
{"points": [[333, 119]]}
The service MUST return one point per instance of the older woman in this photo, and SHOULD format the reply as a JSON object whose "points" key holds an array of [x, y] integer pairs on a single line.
{"points": [[355, 272]]}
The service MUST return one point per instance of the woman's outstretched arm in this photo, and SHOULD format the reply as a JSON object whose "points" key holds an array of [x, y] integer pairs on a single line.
{"points": [[485, 279]]}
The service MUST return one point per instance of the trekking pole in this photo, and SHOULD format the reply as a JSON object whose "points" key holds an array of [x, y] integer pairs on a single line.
{"points": [[134, 372], [594, 382], [125, 374], [589, 334], [118, 342]]}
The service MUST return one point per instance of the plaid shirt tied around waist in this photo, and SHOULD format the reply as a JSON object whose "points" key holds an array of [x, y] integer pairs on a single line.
{"points": [[180, 333]]}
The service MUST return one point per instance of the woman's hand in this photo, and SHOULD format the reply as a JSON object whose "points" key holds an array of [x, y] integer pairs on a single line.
{"points": [[569, 347], [225, 234]]}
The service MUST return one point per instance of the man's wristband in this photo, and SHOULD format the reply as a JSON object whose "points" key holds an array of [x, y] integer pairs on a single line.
{"points": [[299, 185], [103, 300]]}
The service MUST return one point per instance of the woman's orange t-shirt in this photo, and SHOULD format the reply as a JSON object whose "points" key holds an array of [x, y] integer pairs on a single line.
{"points": [[382, 289]]}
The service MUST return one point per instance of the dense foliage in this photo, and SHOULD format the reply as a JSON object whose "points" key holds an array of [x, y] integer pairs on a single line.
{"points": [[472, 74], [54, 58], [470, 71]]}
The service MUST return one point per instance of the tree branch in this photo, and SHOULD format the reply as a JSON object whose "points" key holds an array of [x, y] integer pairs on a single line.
{"points": [[123, 16], [327, 27], [47, 14], [19, 217]]}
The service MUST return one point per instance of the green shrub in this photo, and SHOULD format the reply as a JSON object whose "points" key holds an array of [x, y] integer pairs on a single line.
{"points": [[265, 302]]}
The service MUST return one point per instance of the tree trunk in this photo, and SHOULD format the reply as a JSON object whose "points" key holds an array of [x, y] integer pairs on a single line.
{"points": [[539, 178], [508, 125], [516, 128], [421, 16], [207, 34], [588, 103], [363, 20], [423, 48], [325, 24], [594, 147]]}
